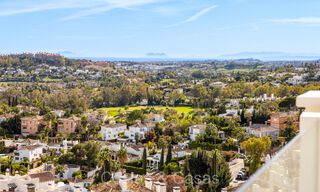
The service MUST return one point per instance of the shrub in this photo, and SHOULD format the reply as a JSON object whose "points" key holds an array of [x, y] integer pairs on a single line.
{"points": [[135, 170]]}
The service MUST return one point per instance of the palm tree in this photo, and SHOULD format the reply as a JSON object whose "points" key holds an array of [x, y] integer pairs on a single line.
{"points": [[122, 156], [105, 162], [10, 163], [49, 118], [103, 155], [26, 163]]}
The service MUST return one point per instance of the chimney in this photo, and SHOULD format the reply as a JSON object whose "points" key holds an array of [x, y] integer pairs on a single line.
{"points": [[123, 182], [148, 183], [163, 187], [156, 187], [250, 123], [7, 172], [176, 189]]}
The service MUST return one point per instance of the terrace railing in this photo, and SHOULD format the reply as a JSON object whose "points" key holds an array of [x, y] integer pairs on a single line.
{"points": [[297, 166]]}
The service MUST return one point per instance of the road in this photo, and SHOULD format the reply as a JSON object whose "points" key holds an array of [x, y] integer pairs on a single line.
{"points": [[235, 166]]}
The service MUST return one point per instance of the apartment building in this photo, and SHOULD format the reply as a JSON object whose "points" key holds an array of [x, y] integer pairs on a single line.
{"points": [[281, 119], [68, 125], [30, 125]]}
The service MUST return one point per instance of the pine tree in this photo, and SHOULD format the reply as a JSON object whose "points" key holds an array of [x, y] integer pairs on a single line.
{"points": [[144, 160], [169, 154], [161, 163]]}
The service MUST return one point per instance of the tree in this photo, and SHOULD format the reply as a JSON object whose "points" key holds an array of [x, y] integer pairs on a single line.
{"points": [[243, 119], [144, 160], [83, 154], [135, 115], [207, 163], [122, 156], [84, 127], [161, 163], [49, 118], [77, 174], [255, 149], [289, 133], [172, 167], [169, 154], [108, 166], [149, 136], [59, 170]]}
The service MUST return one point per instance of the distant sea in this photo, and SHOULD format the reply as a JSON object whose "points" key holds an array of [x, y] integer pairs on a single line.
{"points": [[133, 59]]}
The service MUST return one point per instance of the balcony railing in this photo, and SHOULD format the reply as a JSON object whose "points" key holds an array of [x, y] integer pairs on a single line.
{"points": [[296, 166]]}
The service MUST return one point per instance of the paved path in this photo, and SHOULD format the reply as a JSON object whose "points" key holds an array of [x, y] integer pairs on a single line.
{"points": [[235, 166]]}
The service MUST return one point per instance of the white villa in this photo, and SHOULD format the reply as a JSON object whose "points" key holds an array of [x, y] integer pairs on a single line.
{"points": [[138, 129], [195, 130], [34, 182], [111, 131], [260, 130], [154, 118], [31, 152]]}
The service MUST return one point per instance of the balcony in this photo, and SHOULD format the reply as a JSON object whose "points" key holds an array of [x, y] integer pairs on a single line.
{"points": [[296, 166]]}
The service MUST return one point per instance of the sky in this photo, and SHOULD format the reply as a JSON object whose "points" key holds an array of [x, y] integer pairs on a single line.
{"points": [[176, 28]]}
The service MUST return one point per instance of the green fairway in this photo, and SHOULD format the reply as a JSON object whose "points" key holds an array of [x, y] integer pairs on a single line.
{"points": [[114, 111]]}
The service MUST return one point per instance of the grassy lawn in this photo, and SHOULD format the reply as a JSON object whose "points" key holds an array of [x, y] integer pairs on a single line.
{"points": [[114, 111], [47, 79]]}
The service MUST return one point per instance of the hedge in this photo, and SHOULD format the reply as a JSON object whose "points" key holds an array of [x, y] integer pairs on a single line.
{"points": [[204, 145], [135, 170], [136, 163]]}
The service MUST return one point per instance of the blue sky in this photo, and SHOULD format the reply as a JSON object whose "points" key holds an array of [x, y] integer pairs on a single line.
{"points": [[178, 28]]}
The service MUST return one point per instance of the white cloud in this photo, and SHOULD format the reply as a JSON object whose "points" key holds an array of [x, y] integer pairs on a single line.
{"points": [[199, 14], [87, 8], [194, 17], [300, 21]]}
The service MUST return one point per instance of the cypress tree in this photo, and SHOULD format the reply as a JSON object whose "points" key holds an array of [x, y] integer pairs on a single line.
{"points": [[161, 163], [144, 161], [169, 154], [242, 117], [186, 168]]}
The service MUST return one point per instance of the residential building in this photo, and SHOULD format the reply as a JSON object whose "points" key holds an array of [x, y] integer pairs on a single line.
{"points": [[280, 120], [27, 183], [195, 130], [5, 117], [69, 170], [168, 183], [68, 125], [154, 118], [296, 80], [31, 152], [43, 180], [296, 166], [111, 131], [229, 113], [138, 130], [64, 146], [134, 151], [260, 130], [31, 125], [58, 113]]}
